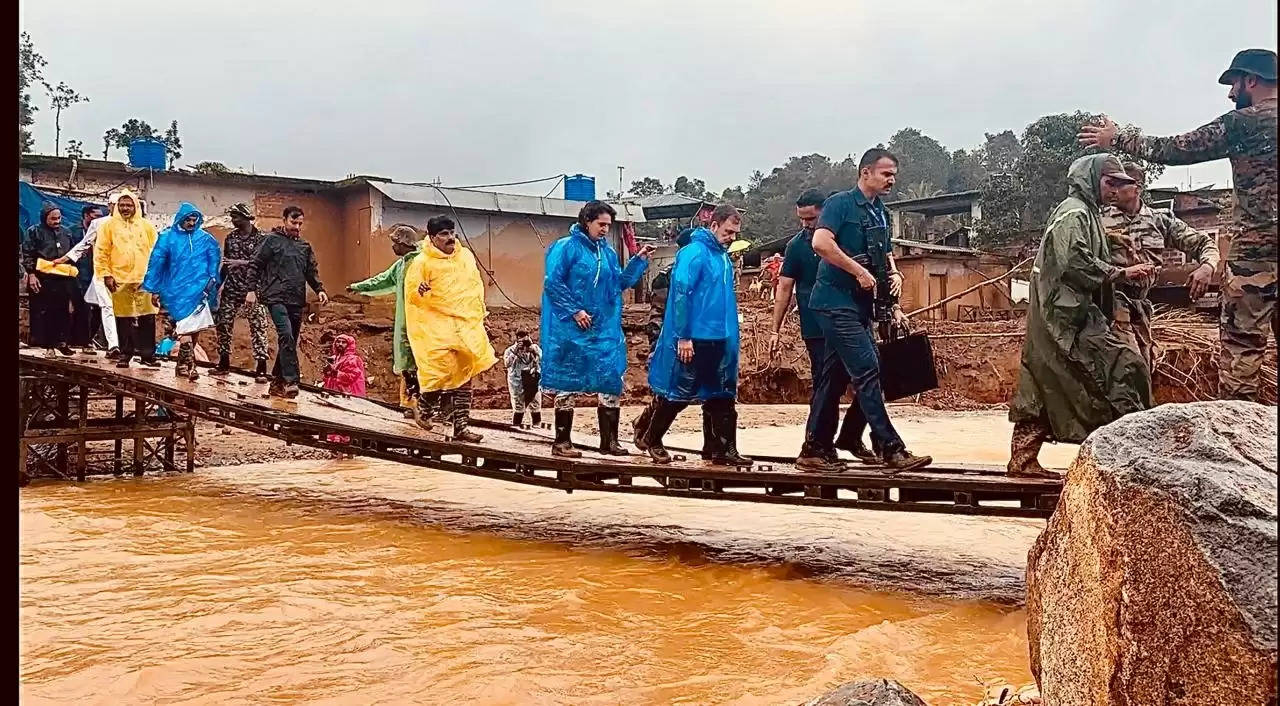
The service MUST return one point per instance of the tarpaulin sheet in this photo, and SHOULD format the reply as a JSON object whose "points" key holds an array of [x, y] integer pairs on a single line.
{"points": [[31, 199]]}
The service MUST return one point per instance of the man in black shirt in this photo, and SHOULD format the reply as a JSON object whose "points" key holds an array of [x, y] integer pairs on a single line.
{"points": [[49, 294], [285, 264], [852, 229]]}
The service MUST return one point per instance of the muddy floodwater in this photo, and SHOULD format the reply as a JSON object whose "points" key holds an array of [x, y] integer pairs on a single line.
{"points": [[362, 582]]}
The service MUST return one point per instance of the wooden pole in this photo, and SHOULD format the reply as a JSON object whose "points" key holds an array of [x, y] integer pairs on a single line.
{"points": [[979, 285]]}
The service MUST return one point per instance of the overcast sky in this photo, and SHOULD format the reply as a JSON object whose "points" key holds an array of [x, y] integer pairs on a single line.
{"points": [[483, 91]]}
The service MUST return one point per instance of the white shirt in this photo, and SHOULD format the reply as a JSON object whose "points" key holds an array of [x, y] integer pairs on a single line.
{"points": [[78, 250]]}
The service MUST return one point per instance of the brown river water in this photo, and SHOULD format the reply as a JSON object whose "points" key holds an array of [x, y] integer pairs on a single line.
{"points": [[363, 582]]}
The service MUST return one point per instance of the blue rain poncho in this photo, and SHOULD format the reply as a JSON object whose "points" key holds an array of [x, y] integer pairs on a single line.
{"points": [[183, 268], [702, 306], [583, 275]]}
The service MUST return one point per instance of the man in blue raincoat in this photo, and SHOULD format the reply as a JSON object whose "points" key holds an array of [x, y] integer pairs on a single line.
{"points": [[581, 328], [696, 358], [183, 272]]}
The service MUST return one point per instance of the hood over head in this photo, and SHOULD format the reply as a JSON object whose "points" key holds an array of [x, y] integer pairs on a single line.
{"points": [[45, 209], [1084, 176], [186, 209], [137, 204], [343, 344]]}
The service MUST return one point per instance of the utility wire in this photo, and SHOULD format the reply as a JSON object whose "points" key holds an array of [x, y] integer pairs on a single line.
{"points": [[485, 186]]}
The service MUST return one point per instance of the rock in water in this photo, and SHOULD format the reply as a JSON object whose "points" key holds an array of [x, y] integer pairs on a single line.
{"points": [[1155, 579], [870, 692]]}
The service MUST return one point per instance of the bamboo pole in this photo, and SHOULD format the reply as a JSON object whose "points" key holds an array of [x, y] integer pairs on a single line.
{"points": [[979, 285]]}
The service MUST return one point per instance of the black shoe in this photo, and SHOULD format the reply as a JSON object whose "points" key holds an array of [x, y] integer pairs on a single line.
{"points": [[113, 353], [862, 453], [260, 371], [220, 371], [536, 419], [517, 419], [150, 362], [731, 458], [818, 464], [607, 418], [467, 436], [66, 350], [122, 362], [659, 455], [902, 460]]}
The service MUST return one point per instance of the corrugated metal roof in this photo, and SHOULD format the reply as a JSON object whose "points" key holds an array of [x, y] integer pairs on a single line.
{"points": [[467, 199], [932, 246]]}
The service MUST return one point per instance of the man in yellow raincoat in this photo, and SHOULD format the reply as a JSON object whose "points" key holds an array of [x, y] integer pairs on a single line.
{"points": [[444, 319], [120, 258]]}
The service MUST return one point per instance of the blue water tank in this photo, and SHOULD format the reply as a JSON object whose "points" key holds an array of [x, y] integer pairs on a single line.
{"points": [[580, 188], [146, 153]]}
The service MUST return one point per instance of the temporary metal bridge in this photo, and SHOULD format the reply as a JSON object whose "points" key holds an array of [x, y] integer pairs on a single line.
{"points": [[59, 396]]}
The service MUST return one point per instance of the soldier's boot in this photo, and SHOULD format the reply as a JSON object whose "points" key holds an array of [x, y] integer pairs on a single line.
{"points": [[563, 445], [1024, 447]]}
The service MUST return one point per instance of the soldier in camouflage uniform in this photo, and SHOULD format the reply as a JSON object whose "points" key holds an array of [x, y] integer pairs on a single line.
{"points": [[1246, 136], [239, 277], [1139, 235]]}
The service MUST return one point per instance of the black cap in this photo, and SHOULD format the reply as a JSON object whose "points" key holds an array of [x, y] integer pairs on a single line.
{"points": [[1259, 62]]}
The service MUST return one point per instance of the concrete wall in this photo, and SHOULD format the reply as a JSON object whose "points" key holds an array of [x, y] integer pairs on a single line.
{"points": [[959, 273]]}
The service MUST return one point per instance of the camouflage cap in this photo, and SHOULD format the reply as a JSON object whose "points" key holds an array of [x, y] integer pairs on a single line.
{"points": [[1136, 171], [1111, 167], [405, 235], [1259, 62]]}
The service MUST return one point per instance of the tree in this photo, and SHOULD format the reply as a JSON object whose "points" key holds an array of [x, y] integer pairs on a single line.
{"points": [[172, 143], [967, 171], [693, 188], [647, 186], [771, 198], [61, 97], [920, 158], [734, 195], [75, 149], [1000, 152], [30, 65], [210, 168], [132, 129]]}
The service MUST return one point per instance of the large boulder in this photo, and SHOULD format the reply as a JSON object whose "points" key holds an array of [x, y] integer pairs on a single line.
{"points": [[869, 692], [1155, 579]]}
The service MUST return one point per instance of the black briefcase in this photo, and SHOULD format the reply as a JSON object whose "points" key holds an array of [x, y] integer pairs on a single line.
{"points": [[906, 366]]}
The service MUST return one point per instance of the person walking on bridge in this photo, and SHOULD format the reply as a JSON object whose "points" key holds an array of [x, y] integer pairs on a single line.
{"points": [[696, 358], [120, 257], [239, 277], [444, 318], [1247, 137], [285, 264], [96, 293], [404, 243], [659, 288], [1077, 372], [183, 272], [50, 286], [581, 325]]}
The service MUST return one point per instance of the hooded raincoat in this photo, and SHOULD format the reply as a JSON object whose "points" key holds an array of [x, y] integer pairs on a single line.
{"points": [[446, 325], [122, 251], [702, 306], [1076, 373], [583, 275], [183, 269], [345, 373], [391, 281]]}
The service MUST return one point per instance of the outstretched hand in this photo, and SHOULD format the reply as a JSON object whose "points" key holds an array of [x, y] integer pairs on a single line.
{"points": [[1101, 136]]}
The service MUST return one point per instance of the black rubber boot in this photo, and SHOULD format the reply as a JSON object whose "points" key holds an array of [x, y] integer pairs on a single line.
{"points": [[260, 372], [535, 419], [640, 425], [664, 414], [607, 418], [726, 422], [517, 419], [563, 446]]}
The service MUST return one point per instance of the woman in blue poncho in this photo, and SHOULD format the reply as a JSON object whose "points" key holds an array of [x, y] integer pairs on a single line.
{"points": [[183, 272], [696, 357], [583, 350]]}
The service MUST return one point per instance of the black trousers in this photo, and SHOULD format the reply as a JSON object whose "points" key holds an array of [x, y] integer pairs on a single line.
{"points": [[51, 307], [86, 319], [288, 321], [137, 336]]}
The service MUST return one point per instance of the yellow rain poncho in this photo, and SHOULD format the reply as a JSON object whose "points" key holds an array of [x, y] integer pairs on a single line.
{"points": [[446, 325], [121, 252]]}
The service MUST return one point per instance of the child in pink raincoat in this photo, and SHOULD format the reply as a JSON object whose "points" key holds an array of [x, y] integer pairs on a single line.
{"points": [[344, 372]]}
